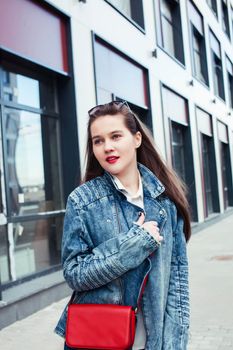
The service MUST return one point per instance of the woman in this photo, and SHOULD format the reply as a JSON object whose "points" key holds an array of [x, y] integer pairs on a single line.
{"points": [[129, 220]]}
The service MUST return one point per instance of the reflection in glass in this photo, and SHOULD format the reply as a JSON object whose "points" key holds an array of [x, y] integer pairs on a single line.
{"points": [[122, 5], [198, 59], [37, 245], [167, 24], [4, 259], [24, 90], [32, 157], [21, 89]]}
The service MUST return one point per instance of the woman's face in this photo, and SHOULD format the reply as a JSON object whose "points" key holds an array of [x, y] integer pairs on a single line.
{"points": [[113, 144]]}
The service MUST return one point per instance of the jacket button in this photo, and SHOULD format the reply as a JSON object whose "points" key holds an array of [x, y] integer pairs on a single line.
{"points": [[162, 212]]}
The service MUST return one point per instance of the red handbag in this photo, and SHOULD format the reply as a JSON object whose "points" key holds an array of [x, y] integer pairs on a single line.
{"points": [[100, 326]]}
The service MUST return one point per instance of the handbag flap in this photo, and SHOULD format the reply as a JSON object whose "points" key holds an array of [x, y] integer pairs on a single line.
{"points": [[100, 326]]}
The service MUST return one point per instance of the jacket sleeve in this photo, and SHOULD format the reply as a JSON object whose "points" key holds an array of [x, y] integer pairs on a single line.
{"points": [[87, 268], [176, 322]]}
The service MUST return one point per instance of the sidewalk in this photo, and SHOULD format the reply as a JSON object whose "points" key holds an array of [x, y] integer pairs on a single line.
{"points": [[211, 287]]}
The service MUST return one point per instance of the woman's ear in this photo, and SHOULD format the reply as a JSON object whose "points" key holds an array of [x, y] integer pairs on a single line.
{"points": [[138, 139]]}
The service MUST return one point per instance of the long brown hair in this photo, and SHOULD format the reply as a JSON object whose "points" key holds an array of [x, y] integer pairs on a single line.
{"points": [[147, 154]]}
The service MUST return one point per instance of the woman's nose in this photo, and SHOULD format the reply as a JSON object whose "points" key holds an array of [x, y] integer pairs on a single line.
{"points": [[108, 147]]}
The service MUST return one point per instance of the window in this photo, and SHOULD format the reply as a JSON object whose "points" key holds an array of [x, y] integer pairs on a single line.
{"points": [[179, 145], [230, 80], [208, 163], [171, 31], [231, 18], [224, 167], [34, 205], [225, 18], [198, 44], [31, 143], [225, 160], [178, 149], [36, 245], [213, 5], [4, 255], [109, 81], [131, 9], [217, 66]]}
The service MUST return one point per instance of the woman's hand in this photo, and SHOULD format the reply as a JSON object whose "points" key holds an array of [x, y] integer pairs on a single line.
{"points": [[151, 227]]}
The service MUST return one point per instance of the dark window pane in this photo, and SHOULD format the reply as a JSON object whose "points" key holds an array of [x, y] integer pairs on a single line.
{"points": [[213, 5], [217, 66], [225, 166], [229, 68], [130, 8], [231, 18], [230, 88], [32, 159], [4, 258], [207, 173], [178, 158], [218, 77], [171, 29], [37, 245], [225, 19], [199, 55], [198, 58], [47, 97]]}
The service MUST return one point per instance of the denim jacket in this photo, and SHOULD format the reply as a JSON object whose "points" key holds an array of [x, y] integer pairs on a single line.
{"points": [[106, 256]]}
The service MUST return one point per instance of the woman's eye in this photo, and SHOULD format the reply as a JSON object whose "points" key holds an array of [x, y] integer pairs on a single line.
{"points": [[97, 141], [116, 136]]}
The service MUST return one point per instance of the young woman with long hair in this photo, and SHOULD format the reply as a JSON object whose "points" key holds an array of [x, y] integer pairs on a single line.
{"points": [[126, 223]]}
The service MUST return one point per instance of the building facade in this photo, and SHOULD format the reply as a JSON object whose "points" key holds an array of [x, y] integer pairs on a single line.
{"points": [[171, 60]]}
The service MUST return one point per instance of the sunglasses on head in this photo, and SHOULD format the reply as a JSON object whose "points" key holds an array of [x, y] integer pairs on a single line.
{"points": [[119, 103]]}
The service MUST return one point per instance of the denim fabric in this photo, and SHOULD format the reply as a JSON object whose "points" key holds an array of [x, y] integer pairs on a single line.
{"points": [[106, 256]]}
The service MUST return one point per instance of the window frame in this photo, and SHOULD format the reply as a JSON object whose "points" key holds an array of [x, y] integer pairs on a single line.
{"points": [[44, 114], [178, 56], [194, 32], [10, 220], [206, 164], [214, 67], [128, 18], [214, 177], [225, 18], [168, 119], [203, 57], [223, 144], [214, 8], [229, 84]]}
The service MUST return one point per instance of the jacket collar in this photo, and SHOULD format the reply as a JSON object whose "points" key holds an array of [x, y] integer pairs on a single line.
{"points": [[151, 184]]}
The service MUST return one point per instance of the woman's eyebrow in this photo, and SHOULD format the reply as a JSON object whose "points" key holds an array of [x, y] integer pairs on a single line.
{"points": [[112, 132]]}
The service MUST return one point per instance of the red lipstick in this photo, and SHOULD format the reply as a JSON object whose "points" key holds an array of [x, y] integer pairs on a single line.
{"points": [[112, 159]]}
